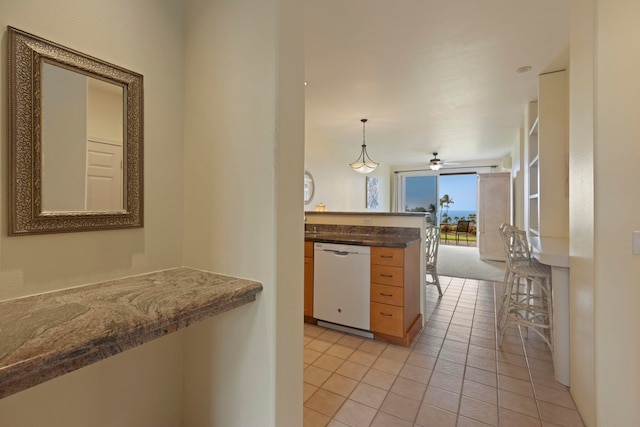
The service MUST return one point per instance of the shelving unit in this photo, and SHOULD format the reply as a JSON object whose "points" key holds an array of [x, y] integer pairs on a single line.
{"points": [[546, 178], [547, 195], [534, 172]]}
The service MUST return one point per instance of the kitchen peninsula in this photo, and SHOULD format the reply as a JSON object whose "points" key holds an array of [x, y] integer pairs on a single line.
{"points": [[383, 294]]}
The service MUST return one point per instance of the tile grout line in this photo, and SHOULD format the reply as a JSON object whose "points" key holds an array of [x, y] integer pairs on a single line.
{"points": [[493, 299], [495, 315], [533, 388], [438, 355], [464, 371], [526, 358], [460, 290]]}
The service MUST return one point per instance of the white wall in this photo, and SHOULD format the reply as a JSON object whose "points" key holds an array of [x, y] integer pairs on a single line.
{"points": [[337, 185], [244, 145], [604, 165], [138, 387]]}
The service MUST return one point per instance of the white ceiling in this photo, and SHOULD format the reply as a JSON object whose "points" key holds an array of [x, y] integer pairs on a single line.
{"points": [[430, 75]]}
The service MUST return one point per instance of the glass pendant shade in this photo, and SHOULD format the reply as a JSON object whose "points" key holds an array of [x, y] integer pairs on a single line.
{"points": [[363, 163], [435, 163]]}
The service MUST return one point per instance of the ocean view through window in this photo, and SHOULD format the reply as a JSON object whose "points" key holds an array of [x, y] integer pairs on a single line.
{"points": [[458, 199], [447, 198]]}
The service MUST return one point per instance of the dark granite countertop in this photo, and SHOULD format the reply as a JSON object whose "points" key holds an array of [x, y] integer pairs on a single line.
{"points": [[417, 214], [45, 336], [390, 241]]}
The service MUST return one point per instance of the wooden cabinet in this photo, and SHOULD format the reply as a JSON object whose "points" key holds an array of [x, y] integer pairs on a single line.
{"points": [[547, 158], [308, 282], [494, 208], [395, 294]]}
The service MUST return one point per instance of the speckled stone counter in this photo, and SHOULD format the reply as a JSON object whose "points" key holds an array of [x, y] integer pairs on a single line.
{"points": [[391, 237], [45, 336]]}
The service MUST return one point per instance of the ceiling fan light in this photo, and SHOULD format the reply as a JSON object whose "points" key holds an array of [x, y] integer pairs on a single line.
{"points": [[435, 163], [363, 163]]}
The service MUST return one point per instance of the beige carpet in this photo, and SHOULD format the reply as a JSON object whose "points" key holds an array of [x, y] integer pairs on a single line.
{"points": [[464, 261]]}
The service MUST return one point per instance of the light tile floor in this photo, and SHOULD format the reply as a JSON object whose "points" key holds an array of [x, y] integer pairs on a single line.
{"points": [[452, 375]]}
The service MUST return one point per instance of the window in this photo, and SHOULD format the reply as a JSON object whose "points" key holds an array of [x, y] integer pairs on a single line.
{"points": [[447, 198]]}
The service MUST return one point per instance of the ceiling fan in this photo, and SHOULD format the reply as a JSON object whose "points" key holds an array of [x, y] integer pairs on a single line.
{"points": [[435, 163]]}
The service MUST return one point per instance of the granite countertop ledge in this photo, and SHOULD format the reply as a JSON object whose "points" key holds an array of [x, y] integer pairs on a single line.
{"points": [[362, 235], [362, 239], [417, 214], [48, 335]]}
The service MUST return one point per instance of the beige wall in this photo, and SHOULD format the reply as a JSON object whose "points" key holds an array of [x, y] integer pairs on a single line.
{"points": [[337, 185], [111, 31], [231, 178], [581, 209], [604, 165], [140, 387], [244, 144], [617, 155]]}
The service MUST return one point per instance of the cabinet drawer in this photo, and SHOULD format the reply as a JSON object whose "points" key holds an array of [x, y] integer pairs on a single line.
{"points": [[386, 275], [387, 294], [387, 256], [386, 319], [308, 249]]}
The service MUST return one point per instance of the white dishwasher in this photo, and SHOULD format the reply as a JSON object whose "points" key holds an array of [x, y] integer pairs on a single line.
{"points": [[341, 276]]}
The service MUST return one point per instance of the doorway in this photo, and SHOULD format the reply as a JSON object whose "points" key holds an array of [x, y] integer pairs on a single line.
{"points": [[445, 197]]}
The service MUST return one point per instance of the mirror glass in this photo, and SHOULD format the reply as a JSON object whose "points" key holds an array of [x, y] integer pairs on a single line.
{"points": [[309, 187], [82, 142], [75, 140]]}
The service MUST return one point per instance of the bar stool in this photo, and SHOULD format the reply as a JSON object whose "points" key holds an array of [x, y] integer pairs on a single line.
{"points": [[432, 241], [527, 297], [516, 259]]}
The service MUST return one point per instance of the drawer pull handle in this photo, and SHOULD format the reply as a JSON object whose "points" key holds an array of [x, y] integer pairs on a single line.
{"points": [[386, 256], [386, 295], [385, 314], [386, 275]]}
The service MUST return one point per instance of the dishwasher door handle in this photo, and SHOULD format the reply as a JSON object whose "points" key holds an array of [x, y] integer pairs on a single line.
{"points": [[341, 253]]}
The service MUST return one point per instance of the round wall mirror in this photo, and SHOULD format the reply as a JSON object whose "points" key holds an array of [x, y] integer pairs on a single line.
{"points": [[309, 187]]}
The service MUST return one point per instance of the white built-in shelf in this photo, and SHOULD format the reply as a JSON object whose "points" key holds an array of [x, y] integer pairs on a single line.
{"points": [[534, 127], [546, 144]]}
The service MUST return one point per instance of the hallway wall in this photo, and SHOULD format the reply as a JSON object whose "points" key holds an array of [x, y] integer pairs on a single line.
{"points": [[142, 386], [604, 162]]}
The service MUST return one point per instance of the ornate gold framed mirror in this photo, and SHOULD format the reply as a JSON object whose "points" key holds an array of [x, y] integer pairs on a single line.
{"points": [[75, 140]]}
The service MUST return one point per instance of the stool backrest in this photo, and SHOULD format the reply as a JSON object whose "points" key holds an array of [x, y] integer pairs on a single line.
{"points": [[432, 240], [516, 246]]}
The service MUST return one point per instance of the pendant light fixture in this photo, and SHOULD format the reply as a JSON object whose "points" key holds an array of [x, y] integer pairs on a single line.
{"points": [[363, 164]]}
